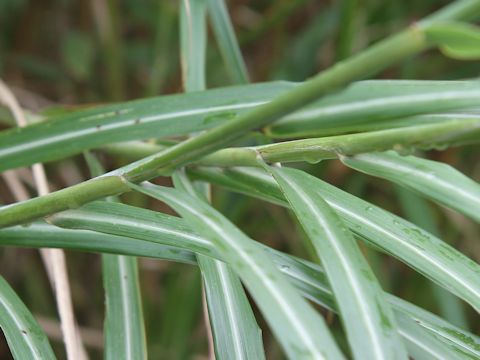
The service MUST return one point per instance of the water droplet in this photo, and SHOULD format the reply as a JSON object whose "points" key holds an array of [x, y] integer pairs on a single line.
{"points": [[312, 159], [369, 208], [215, 118], [403, 150], [284, 267], [440, 146]]}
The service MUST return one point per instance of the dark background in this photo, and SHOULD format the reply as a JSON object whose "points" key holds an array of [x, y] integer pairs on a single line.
{"points": [[80, 53]]}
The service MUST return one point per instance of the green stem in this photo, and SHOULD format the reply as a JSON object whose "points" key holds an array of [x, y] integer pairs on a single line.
{"points": [[312, 150], [403, 140], [372, 60], [68, 198]]}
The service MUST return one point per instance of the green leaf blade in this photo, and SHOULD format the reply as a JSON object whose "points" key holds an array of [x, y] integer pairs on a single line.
{"points": [[236, 333], [124, 328], [457, 40], [298, 328], [25, 338], [374, 104], [222, 26], [403, 240], [439, 182], [307, 277], [368, 319], [169, 115]]}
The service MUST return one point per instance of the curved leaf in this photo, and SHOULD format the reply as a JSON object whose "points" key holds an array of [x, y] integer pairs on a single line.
{"points": [[419, 212], [25, 338], [368, 319], [461, 340], [299, 329], [401, 239], [437, 181], [227, 42], [236, 334], [183, 114], [141, 119], [367, 104], [40, 234], [116, 218], [457, 40]]}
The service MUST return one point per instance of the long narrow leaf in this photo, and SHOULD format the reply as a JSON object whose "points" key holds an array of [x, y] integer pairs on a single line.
{"points": [[44, 235], [410, 244], [193, 43], [25, 338], [183, 114], [460, 339], [236, 333], [419, 212], [124, 329], [117, 218], [227, 41], [140, 119], [367, 317], [369, 103], [437, 181], [124, 326], [301, 331], [423, 345]]}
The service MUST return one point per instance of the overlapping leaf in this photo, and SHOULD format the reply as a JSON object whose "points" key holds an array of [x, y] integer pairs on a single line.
{"points": [[25, 338], [301, 331], [437, 181], [424, 252], [368, 319], [124, 220], [362, 106]]}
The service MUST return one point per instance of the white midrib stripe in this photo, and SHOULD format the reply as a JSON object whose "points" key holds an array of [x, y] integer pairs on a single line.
{"points": [[20, 325], [386, 101], [411, 170], [439, 266], [126, 305], [222, 269], [304, 335], [430, 350], [351, 274], [75, 134], [446, 335]]}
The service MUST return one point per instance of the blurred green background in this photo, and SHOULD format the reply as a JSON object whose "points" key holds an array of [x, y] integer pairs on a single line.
{"points": [[80, 53]]}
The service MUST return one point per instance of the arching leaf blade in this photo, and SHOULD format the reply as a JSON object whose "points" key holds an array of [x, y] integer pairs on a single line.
{"points": [[300, 330], [434, 180], [123, 326], [235, 332], [25, 338], [308, 278], [410, 244], [367, 317], [227, 42]]}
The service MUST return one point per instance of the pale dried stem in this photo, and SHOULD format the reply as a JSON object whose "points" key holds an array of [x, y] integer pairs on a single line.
{"points": [[53, 259]]}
